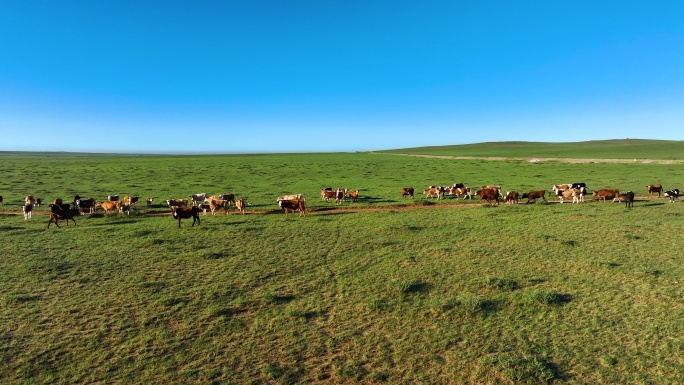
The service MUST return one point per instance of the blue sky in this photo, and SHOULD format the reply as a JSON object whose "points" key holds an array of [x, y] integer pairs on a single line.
{"points": [[308, 76]]}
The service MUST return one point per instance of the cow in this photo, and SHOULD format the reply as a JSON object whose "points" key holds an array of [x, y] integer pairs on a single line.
{"points": [[27, 208], [563, 186], [581, 191], [488, 194], [76, 199], [149, 202], [108, 206], [493, 187], [204, 207], [30, 199], [511, 197], [131, 200], [654, 188], [125, 209], [197, 198], [229, 198], [86, 205], [628, 198], [672, 194], [353, 195], [464, 191], [62, 212], [177, 203], [240, 205], [328, 193], [185, 213], [533, 195], [572, 192], [434, 192], [113, 198], [293, 205], [578, 185], [290, 197], [215, 204], [57, 201], [339, 195], [458, 185], [406, 191], [607, 193]]}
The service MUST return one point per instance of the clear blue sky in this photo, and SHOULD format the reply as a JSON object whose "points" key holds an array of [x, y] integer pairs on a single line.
{"points": [[293, 76]]}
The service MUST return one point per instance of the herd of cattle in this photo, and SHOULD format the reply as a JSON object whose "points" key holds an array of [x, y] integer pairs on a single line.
{"points": [[576, 191], [191, 207]]}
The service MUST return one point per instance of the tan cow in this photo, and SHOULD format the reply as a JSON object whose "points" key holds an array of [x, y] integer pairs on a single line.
{"points": [[607, 193], [216, 204], [240, 205], [108, 206]]}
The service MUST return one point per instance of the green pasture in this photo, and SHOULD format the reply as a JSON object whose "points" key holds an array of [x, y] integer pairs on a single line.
{"points": [[604, 149], [441, 292]]}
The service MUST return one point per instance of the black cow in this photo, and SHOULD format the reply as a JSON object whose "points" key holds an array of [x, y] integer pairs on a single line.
{"points": [[672, 194], [185, 213], [59, 212], [628, 198]]}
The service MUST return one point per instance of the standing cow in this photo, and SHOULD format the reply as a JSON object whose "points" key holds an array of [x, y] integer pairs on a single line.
{"points": [[186, 213]]}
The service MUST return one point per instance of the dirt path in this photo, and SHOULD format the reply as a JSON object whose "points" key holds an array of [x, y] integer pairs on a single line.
{"points": [[536, 160]]}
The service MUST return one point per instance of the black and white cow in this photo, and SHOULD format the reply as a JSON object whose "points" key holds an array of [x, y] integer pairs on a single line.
{"points": [[672, 194]]}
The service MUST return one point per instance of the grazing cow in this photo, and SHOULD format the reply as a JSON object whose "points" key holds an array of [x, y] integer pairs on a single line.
{"points": [[204, 207], [488, 194], [113, 198], [62, 212], [328, 193], [177, 203], [131, 200], [185, 213], [628, 198], [533, 195], [293, 205], [672, 194], [434, 192], [654, 188], [607, 193], [578, 185], [108, 206], [353, 195], [406, 191], [197, 198], [149, 202], [217, 204], [511, 197], [290, 197], [27, 208], [240, 205], [86, 205]]}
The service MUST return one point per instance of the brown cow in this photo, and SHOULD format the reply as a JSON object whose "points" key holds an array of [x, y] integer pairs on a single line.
{"points": [[489, 195], [328, 193], [107, 206], [533, 195], [131, 200], [217, 204], [512, 197], [185, 213], [240, 205], [149, 202], [406, 191], [434, 192], [353, 195], [293, 205], [607, 193], [177, 203], [654, 188]]}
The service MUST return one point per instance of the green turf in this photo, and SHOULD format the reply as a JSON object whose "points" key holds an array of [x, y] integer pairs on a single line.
{"points": [[447, 292]]}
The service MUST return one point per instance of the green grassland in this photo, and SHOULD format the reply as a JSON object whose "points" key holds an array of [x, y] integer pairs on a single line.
{"points": [[605, 149], [441, 292]]}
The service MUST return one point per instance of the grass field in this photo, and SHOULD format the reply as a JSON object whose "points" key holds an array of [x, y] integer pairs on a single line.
{"points": [[446, 292]]}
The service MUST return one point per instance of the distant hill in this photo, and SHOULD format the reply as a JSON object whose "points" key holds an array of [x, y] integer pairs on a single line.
{"points": [[603, 149]]}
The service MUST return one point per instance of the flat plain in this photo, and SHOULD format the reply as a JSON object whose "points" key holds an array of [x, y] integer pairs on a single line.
{"points": [[384, 290]]}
